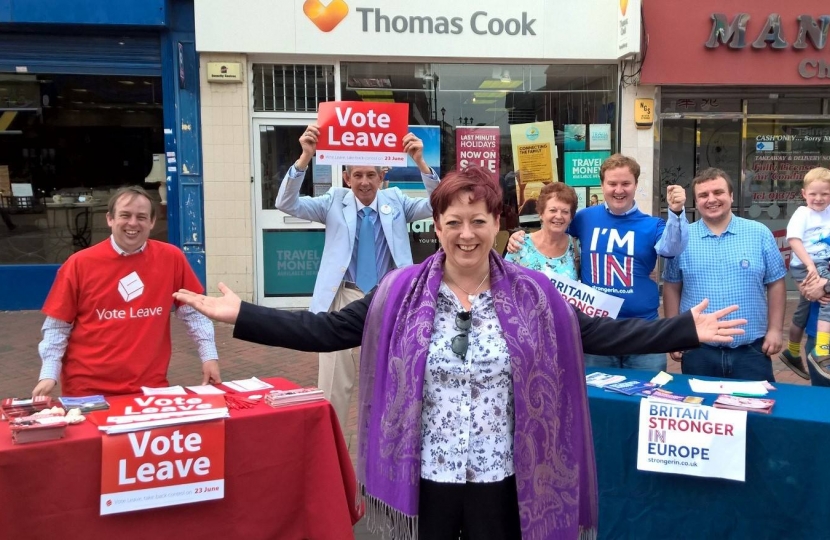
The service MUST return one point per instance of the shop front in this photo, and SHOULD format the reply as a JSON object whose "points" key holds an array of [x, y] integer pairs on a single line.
{"points": [[746, 90], [91, 99], [494, 67]]}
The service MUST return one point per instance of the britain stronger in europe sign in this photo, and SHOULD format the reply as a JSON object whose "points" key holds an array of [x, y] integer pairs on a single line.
{"points": [[692, 440]]}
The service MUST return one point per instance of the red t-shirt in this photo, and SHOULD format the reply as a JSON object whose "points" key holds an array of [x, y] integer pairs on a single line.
{"points": [[120, 307]]}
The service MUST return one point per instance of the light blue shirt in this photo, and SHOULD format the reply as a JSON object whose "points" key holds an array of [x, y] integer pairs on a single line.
{"points": [[733, 268], [383, 255]]}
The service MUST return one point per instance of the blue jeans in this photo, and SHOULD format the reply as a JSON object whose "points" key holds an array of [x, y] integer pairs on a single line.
{"points": [[646, 362], [746, 362]]}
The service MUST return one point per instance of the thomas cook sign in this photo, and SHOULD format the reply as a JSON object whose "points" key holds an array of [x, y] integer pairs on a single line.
{"points": [[374, 20]]}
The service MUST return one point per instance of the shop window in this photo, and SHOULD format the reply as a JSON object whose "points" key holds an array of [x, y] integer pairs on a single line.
{"points": [[778, 155], [67, 142], [780, 104], [279, 147], [291, 87], [578, 100], [698, 104]]}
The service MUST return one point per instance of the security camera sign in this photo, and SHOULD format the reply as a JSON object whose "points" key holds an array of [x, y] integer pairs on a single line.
{"points": [[362, 133]]}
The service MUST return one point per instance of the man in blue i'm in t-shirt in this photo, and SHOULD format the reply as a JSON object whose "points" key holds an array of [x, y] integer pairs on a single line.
{"points": [[619, 246]]}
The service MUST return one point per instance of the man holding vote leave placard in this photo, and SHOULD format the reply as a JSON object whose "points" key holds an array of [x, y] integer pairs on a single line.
{"points": [[366, 227]]}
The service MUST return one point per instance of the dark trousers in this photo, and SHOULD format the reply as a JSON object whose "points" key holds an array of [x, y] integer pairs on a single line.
{"points": [[746, 362], [471, 511]]}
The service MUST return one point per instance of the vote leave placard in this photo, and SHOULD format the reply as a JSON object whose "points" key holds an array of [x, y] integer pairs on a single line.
{"points": [[362, 133], [134, 413], [163, 467]]}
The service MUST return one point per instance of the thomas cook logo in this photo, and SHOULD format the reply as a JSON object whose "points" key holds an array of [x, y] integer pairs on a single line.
{"points": [[130, 287], [623, 6], [326, 17]]}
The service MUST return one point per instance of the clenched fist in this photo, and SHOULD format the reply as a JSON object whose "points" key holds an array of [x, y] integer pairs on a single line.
{"points": [[676, 198]]}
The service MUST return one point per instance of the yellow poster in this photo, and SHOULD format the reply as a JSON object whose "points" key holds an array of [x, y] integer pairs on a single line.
{"points": [[534, 157]]}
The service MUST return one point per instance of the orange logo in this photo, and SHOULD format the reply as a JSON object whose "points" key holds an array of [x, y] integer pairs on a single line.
{"points": [[326, 17], [623, 6]]}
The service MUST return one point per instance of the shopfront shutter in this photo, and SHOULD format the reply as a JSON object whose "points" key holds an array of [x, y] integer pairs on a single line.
{"points": [[101, 53]]}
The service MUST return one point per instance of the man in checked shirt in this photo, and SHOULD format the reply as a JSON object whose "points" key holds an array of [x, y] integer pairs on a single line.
{"points": [[107, 328], [728, 258]]}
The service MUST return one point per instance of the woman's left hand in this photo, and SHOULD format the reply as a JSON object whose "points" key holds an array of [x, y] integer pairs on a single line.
{"points": [[223, 308], [711, 328]]}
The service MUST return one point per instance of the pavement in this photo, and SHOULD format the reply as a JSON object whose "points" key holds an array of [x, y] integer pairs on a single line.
{"points": [[20, 364]]}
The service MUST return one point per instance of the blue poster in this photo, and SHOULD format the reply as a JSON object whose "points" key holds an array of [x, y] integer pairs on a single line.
{"points": [[291, 260], [409, 178], [575, 137], [582, 168]]}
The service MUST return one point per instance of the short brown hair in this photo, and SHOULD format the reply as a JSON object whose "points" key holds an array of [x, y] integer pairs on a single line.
{"points": [[819, 174], [559, 191], [476, 181], [132, 191], [618, 161], [711, 173]]}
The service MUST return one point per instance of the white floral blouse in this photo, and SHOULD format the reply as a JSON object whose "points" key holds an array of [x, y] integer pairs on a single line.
{"points": [[467, 417]]}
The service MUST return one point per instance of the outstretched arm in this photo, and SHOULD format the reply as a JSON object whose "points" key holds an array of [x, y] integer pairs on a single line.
{"points": [[605, 336], [303, 330], [338, 330], [298, 330]]}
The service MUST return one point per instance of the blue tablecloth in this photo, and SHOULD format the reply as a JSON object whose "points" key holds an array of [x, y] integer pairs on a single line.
{"points": [[787, 489]]}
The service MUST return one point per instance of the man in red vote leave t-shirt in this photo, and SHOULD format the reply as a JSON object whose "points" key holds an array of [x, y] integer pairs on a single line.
{"points": [[107, 328]]}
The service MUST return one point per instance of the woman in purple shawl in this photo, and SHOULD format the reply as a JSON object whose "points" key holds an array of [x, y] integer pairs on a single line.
{"points": [[473, 410], [473, 414]]}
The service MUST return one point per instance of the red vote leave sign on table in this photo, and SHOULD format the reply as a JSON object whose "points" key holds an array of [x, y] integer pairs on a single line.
{"points": [[362, 133], [163, 466]]}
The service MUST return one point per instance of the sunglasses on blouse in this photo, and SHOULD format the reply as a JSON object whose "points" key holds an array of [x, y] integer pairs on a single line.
{"points": [[459, 344]]}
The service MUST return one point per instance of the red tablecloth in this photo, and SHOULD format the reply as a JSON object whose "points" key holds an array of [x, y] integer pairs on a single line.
{"points": [[288, 476]]}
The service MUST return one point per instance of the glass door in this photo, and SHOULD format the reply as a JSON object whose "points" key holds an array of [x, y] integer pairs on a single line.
{"points": [[288, 249], [690, 145]]}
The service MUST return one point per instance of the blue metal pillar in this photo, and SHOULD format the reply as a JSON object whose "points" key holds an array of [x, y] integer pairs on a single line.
{"points": [[183, 137]]}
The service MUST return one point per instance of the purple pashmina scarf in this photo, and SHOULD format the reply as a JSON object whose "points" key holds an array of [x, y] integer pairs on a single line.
{"points": [[553, 448]]}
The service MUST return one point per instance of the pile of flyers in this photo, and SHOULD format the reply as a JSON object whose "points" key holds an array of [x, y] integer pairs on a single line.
{"points": [[283, 398]]}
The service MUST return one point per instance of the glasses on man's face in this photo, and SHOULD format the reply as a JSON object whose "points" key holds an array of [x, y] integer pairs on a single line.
{"points": [[459, 344]]}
